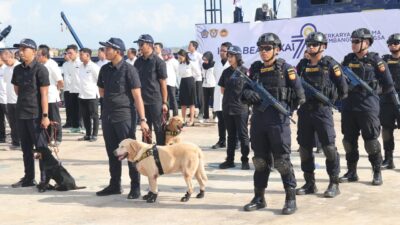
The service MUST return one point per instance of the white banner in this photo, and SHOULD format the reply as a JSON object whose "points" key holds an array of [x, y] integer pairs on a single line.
{"points": [[292, 32]]}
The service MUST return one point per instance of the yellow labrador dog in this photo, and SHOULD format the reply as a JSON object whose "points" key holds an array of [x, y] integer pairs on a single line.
{"points": [[153, 161], [173, 129]]}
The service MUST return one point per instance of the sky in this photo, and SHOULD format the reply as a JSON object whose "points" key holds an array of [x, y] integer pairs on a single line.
{"points": [[171, 22]]}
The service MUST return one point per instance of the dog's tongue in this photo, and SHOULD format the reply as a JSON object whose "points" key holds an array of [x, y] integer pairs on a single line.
{"points": [[122, 157]]}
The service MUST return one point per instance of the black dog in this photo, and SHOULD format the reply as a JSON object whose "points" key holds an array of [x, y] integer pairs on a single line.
{"points": [[54, 170]]}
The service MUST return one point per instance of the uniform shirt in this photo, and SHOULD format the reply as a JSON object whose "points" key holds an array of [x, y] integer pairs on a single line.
{"points": [[233, 85], [373, 66], [101, 63], [8, 73], [268, 76], [151, 70], [67, 79], [394, 68], [118, 82], [209, 77], [54, 77], [323, 76], [72, 72], [29, 79], [3, 87], [88, 75], [188, 70], [172, 72], [197, 59], [219, 68], [132, 62]]}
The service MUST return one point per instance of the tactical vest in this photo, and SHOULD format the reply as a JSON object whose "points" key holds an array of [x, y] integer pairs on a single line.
{"points": [[394, 67], [273, 79], [319, 77], [365, 69]]}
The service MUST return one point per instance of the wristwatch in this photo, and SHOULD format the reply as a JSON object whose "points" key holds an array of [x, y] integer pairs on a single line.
{"points": [[45, 115], [143, 120]]}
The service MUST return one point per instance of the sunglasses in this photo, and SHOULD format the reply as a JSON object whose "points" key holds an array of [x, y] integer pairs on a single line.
{"points": [[266, 48], [357, 41], [313, 45], [140, 43], [394, 43]]}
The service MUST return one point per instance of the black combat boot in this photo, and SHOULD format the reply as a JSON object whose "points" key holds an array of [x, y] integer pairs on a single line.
{"points": [[377, 177], [258, 202], [309, 187], [290, 201], [388, 162], [351, 175], [333, 187], [114, 188]]}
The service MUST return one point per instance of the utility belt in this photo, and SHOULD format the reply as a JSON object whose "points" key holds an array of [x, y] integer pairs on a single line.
{"points": [[312, 105]]}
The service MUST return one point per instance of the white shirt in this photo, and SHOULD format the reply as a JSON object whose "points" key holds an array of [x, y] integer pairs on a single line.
{"points": [[103, 62], [172, 72], [237, 3], [189, 70], [8, 73], [72, 72], [219, 68], [197, 59], [209, 77], [67, 80], [88, 75], [54, 77], [132, 62], [3, 87]]}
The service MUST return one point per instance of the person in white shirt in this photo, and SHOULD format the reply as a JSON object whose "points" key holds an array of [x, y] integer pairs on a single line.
{"points": [[89, 94], [8, 57], [72, 72], [3, 103], [237, 14], [66, 95], [131, 56], [158, 47], [172, 80], [217, 107], [188, 73], [197, 60], [102, 57], [56, 83], [209, 82]]}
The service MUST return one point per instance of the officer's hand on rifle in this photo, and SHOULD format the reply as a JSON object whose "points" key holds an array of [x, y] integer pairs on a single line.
{"points": [[251, 96]]}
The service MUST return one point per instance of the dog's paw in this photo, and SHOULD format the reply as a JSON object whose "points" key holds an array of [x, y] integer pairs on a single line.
{"points": [[201, 194], [186, 197], [41, 187], [150, 197]]}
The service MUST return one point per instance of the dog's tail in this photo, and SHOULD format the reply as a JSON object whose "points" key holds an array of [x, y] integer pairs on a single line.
{"points": [[200, 169]]}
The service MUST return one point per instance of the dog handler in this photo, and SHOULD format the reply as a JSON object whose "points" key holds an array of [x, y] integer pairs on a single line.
{"points": [[120, 86]]}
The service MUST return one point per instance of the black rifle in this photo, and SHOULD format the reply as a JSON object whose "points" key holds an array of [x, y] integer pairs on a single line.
{"points": [[312, 91], [266, 98], [354, 80]]}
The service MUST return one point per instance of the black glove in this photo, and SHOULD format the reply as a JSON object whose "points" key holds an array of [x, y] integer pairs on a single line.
{"points": [[251, 96], [301, 101]]}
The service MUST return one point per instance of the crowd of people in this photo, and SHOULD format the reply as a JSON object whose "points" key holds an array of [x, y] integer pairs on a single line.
{"points": [[141, 90]]}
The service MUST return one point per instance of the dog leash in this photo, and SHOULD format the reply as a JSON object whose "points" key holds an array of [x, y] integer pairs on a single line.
{"points": [[52, 139]]}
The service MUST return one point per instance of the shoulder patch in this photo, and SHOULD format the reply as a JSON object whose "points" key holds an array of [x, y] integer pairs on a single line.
{"points": [[291, 73], [337, 71], [381, 66]]}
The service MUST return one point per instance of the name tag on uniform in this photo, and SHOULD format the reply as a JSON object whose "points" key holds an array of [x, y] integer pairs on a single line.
{"points": [[393, 62], [310, 70], [354, 65], [268, 69]]}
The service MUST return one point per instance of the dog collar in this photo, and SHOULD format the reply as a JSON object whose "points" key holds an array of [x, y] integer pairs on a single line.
{"points": [[172, 133]]}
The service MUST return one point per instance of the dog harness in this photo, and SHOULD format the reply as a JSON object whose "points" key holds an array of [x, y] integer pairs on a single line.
{"points": [[153, 151]]}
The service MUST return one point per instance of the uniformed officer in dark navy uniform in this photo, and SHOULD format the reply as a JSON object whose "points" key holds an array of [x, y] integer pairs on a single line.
{"points": [[270, 130], [119, 85], [236, 113], [360, 110], [325, 75], [153, 74], [31, 84], [389, 114]]}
